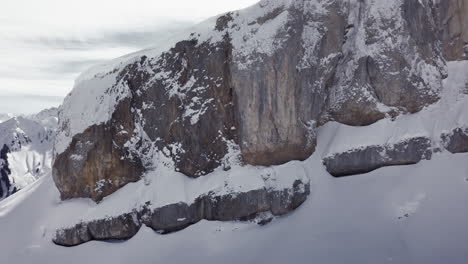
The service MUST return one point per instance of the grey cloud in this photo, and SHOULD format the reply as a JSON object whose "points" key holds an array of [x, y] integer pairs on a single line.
{"points": [[68, 67], [119, 38], [27, 104]]}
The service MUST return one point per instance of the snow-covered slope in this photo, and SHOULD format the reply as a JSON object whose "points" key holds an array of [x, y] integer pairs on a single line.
{"points": [[5, 117], [28, 142], [408, 214], [401, 214]]}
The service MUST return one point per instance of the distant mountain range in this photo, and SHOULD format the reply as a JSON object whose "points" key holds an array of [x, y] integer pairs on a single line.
{"points": [[26, 144]]}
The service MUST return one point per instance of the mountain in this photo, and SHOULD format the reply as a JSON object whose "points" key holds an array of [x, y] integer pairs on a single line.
{"points": [[26, 153], [5, 117], [233, 142]]}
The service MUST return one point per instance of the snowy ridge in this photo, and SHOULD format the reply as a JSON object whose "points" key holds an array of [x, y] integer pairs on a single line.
{"points": [[30, 142], [5, 117]]}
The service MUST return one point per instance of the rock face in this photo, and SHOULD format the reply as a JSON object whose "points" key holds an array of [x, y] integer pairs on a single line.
{"points": [[454, 21], [456, 141], [259, 80], [369, 158], [97, 167], [6, 187], [177, 216]]}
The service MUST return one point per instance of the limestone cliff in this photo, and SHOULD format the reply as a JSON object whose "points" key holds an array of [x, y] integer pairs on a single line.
{"points": [[256, 82]]}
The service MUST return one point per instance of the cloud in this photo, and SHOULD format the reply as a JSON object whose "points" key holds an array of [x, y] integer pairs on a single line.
{"points": [[124, 38], [9, 103], [44, 47]]}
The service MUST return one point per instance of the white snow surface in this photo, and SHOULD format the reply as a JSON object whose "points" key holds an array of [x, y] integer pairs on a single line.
{"points": [[30, 140], [358, 219], [5, 116], [400, 214]]}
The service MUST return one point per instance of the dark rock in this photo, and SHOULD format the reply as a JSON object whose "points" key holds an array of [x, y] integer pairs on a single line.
{"points": [[282, 202], [234, 206], [456, 141], [453, 20], [118, 228], [73, 236], [174, 217], [6, 187], [97, 163], [369, 158]]}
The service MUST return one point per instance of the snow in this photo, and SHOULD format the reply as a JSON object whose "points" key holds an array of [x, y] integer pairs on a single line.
{"points": [[30, 141], [29, 164], [5, 117], [165, 186], [347, 220], [91, 102], [450, 112]]}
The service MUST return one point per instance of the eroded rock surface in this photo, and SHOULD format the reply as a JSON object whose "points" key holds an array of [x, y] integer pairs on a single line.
{"points": [[259, 81], [177, 216], [369, 158], [454, 28], [97, 162], [456, 141]]}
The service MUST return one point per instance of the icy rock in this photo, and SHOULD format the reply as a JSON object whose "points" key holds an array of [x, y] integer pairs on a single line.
{"points": [[369, 158]]}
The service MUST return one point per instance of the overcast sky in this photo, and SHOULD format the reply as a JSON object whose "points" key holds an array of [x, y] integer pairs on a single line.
{"points": [[45, 44]]}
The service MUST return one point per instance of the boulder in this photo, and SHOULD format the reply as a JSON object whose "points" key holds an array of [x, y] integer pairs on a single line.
{"points": [[457, 140], [369, 158], [72, 236]]}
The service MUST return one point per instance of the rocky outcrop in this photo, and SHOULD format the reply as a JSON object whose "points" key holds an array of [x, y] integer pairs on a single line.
{"points": [[390, 61], [369, 158], [454, 28], [177, 216], [6, 187], [100, 162], [259, 80], [456, 141]]}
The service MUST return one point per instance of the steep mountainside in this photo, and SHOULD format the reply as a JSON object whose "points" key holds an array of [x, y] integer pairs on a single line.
{"points": [[251, 88], [400, 214], [26, 149], [244, 116], [260, 79]]}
